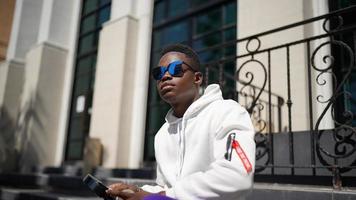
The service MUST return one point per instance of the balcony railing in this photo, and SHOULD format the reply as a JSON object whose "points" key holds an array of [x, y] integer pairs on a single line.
{"points": [[296, 82]]}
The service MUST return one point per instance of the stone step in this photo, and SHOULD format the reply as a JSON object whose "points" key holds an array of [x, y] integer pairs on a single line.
{"points": [[266, 191], [261, 191], [44, 194], [23, 180], [16, 193], [54, 196], [56, 186], [125, 173], [68, 170], [16, 186], [66, 182]]}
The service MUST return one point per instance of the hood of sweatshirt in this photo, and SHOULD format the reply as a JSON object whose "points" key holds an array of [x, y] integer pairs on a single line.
{"points": [[212, 93]]}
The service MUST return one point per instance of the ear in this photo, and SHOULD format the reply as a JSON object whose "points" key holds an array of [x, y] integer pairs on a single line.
{"points": [[198, 78]]}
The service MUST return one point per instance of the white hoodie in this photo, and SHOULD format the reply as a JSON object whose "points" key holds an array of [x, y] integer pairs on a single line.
{"points": [[190, 150]]}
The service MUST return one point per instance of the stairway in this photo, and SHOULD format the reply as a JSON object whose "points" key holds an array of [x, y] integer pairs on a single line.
{"points": [[59, 184]]}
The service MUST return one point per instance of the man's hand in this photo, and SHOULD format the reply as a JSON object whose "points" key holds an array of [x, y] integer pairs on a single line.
{"points": [[126, 191]]}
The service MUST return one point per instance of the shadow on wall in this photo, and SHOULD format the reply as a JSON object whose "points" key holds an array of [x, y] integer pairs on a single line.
{"points": [[16, 147], [8, 153]]}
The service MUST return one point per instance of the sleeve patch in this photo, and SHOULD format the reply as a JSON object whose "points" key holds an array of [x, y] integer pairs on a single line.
{"points": [[233, 144]]}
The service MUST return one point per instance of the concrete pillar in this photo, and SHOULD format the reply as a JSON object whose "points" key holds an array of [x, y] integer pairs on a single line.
{"points": [[41, 105], [144, 10], [24, 34], [11, 82], [120, 92], [25, 28], [46, 91]]}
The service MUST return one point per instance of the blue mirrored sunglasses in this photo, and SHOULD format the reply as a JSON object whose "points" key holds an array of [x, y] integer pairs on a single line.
{"points": [[174, 69]]}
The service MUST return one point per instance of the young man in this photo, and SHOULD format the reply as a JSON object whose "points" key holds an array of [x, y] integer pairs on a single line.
{"points": [[206, 148]]}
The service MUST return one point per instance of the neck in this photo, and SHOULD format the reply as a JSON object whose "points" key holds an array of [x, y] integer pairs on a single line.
{"points": [[180, 108]]}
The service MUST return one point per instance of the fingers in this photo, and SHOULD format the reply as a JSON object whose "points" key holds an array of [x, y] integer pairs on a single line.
{"points": [[127, 194], [122, 190]]}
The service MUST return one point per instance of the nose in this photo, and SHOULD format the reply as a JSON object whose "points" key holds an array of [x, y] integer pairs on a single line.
{"points": [[166, 76]]}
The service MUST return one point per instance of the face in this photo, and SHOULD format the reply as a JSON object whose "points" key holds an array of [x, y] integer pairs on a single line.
{"points": [[184, 88]]}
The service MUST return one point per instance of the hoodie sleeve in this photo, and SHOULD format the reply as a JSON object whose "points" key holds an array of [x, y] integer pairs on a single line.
{"points": [[225, 178]]}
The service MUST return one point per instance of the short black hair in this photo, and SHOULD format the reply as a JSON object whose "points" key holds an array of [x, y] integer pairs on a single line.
{"points": [[187, 50]]}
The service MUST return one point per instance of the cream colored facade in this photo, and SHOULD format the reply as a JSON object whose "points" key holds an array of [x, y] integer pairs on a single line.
{"points": [[37, 75]]}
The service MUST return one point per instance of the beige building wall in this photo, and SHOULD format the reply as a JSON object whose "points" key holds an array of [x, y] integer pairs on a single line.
{"points": [[12, 79], [6, 16], [24, 34], [43, 88], [258, 16], [38, 81]]}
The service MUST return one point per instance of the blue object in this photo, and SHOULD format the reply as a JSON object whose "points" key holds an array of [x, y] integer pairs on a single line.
{"points": [[157, 197], [174, 69]]}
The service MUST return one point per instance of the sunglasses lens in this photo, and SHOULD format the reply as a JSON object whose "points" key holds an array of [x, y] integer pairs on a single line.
{"points": [[177, 70], [157, 73], [174, 69]]}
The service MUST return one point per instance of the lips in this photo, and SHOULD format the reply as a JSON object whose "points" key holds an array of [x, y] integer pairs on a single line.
{"points": [[166, 85]]}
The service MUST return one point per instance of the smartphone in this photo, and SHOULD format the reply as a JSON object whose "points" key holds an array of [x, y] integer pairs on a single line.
{"points": [[96, 186]]}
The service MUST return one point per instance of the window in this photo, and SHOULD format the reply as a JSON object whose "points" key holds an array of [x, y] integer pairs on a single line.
{"points": [[94, 14], [197, 23]]}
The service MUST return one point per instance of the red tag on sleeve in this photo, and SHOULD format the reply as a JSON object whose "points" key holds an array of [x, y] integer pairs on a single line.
{"points": [[240, 152]]}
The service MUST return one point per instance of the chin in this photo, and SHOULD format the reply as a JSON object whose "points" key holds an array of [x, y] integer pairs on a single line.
{"points": [[169, 98]]}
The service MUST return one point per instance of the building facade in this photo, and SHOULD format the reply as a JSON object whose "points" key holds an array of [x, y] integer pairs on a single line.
{"points": [[80, 69]]}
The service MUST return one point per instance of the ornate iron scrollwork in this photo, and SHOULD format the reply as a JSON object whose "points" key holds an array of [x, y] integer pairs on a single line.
{"points": [[254, 107], [343, 135], [250, 77]]}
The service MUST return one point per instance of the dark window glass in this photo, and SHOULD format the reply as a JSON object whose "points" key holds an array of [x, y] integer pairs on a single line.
{"points": [[89, 6], [104, 2], [230, 50], [211, 55], [82, 84], [157, 40], [76, 130], [346, 3], [177, 7], [230, 14], [94, 14], [230, 34], [208, 21], [159, 11], [175, 33], [89, 24], [75, 149], [149, 151], [207, 41], [197, 3], [84, 65], [86, 43], [104, 15]]}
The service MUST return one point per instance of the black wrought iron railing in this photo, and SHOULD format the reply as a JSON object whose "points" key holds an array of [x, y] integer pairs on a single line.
{"points": [[298, 83]]}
